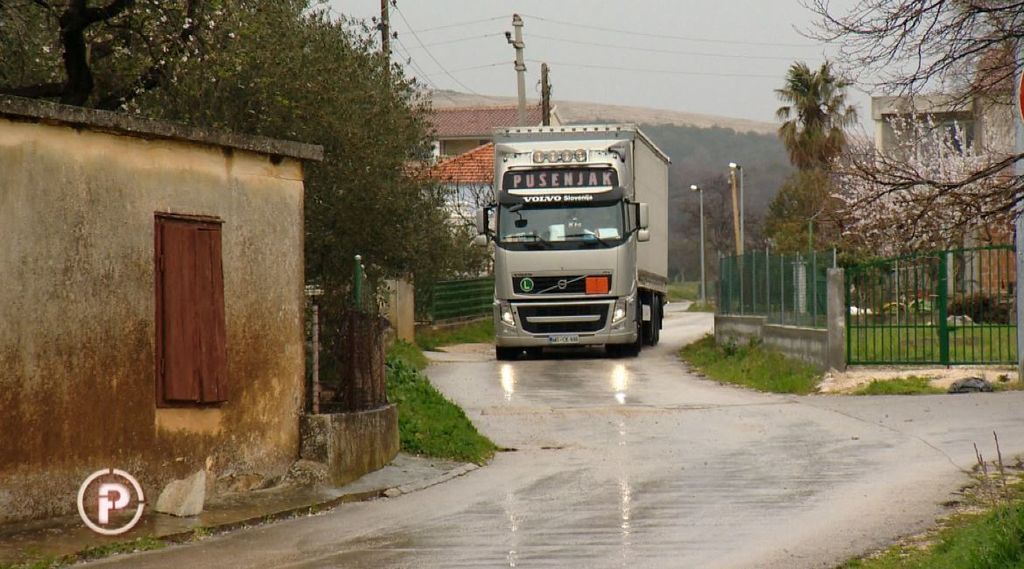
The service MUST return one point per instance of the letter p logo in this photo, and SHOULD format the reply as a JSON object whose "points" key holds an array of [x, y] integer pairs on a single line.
{"points": [[120, 499], [111, 496]]}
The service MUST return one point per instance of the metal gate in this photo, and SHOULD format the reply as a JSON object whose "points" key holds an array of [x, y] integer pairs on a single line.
{"points": [[947, 307]]}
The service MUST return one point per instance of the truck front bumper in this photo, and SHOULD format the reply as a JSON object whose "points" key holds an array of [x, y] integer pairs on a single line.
{"points": [[568, 323]]}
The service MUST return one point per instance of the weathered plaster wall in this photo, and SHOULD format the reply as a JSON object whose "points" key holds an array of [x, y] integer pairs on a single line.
{"points": [[77, 383]]}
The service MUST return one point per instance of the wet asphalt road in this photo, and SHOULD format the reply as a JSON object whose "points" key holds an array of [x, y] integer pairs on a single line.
{"points": [[635, 463]]}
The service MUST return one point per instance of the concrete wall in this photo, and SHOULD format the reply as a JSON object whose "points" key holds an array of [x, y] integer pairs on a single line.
{"points": [[401, 309], [77, 380], [825, 348], [351, 444]]}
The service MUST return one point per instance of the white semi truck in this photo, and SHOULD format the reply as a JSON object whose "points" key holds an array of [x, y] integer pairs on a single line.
{"points": [[579, 223]]}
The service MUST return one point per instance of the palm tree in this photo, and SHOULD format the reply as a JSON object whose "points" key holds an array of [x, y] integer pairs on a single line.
{"points": [[815, 115]]}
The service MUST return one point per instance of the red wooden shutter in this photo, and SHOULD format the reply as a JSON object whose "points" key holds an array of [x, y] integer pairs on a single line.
{"points": [[212, 356], [191, 346]]}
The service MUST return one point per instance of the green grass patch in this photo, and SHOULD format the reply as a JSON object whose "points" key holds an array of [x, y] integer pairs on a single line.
{"points": [[428, 423], [919, 343], [145, 543], [993, 540], [900, 386], [683, 291], [480, 331], [410, 353], [751, 366], [697, 306]]}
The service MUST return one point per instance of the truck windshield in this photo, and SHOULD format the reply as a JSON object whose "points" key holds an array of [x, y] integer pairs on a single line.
{"points": [[570, 226]]}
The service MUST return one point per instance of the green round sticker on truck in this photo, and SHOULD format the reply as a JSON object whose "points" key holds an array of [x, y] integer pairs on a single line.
{"points": [[526, 284]]}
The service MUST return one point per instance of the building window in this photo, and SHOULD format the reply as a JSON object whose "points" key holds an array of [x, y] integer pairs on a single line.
{"points": [[191, 356]]}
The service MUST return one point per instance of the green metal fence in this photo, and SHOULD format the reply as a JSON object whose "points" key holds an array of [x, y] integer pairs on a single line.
{"points": [[786, 289], [946, 307], [458, 299]]}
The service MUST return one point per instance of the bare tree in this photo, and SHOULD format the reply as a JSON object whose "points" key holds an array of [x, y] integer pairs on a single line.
{"points": [[964, 49], [961, 46]]}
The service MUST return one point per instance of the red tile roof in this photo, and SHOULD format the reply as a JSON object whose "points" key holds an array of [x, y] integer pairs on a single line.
{"points": [[478, 121], [473, 167]]}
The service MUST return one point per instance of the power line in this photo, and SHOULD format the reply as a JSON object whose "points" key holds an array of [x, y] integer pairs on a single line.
{"points": [[661, 71], [655, 50], [410, 28], [415, 66], [461, 24], [464, 39], [666, 36], [496, 64]]}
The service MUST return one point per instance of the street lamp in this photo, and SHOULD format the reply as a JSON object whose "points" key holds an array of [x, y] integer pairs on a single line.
{"points": [[703, 296], [734, 167]]}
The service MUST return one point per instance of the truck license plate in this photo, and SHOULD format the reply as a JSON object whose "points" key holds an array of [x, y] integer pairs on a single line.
{"points": [[564, 339]]}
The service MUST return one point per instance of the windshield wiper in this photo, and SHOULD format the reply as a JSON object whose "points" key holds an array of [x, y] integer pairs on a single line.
{"points": [[522, 238], [585, 238], [537, 238]]}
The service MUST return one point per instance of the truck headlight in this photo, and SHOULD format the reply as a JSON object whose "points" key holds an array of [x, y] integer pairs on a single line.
{"points": [[619, 313], [506, 314]]}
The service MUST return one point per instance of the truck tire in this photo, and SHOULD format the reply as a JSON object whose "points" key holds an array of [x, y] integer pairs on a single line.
{"points": [[652, 327], [633, 350], [656, 315], [505, 354]]}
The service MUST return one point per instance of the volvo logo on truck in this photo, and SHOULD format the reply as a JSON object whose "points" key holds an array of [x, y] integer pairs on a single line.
{"points": [[559, 198]]}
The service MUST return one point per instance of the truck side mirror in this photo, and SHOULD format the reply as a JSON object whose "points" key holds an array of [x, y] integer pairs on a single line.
{"points": [[480, 240], [643, 235], [643, 216]]}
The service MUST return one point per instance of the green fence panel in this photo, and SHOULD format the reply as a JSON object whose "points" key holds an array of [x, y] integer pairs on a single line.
{"points": [[945, 307], [786, 289], [464, 298]]}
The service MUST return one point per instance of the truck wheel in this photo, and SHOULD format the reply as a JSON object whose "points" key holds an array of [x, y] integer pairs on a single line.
{"points": [[504, 354], [633, 350], [649, 327], [656, 314]]}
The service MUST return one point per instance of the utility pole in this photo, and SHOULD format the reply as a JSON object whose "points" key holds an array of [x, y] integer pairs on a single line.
{"points": [[385, 35], [1018, 222], [735, 213], [517, 23], [545, 95], [703, 286]]}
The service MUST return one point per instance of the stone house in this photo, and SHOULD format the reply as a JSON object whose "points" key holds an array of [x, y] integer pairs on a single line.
{"points": [[151, 303]]}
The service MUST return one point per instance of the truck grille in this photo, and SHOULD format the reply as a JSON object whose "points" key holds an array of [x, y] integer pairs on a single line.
{"points": [[544, 318], [570, 284]]}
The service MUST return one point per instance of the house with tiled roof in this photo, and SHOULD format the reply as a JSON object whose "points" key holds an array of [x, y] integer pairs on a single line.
{"points": [[473, 167], [468, 179], [460, 129]]}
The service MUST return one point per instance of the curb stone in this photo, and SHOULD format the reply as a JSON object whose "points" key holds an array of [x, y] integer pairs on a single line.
{"points": [[396, 491]]}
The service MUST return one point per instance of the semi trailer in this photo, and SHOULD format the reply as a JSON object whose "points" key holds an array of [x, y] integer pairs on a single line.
{"points": [[579, 222]]}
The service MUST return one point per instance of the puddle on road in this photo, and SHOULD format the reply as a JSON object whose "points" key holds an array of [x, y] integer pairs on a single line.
{"points": [[556, 383]]}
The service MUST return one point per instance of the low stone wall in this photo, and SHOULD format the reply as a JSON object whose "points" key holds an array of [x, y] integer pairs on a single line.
{"points": [[807, 344], [351, 444]]}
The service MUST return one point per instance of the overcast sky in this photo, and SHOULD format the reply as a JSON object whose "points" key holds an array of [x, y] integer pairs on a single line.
{"points": [[722, 57]]}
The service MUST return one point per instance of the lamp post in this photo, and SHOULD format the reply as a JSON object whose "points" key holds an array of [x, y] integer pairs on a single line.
{"points": [[703, 294], [736, 167]]}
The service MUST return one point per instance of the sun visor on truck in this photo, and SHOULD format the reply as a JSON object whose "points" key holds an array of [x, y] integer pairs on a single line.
{"points": [[550, 198]]}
